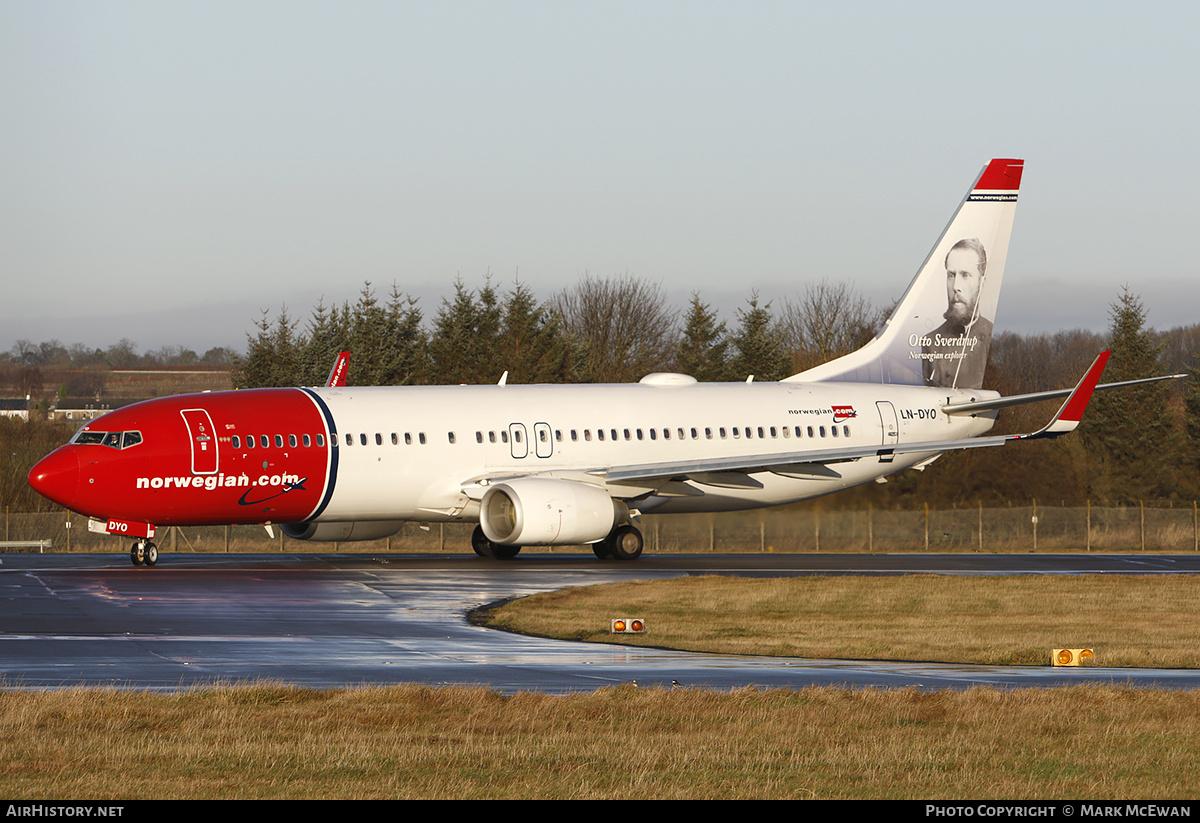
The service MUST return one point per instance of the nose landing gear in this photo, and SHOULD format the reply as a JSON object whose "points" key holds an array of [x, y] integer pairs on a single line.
{"points": [[144, 552]]}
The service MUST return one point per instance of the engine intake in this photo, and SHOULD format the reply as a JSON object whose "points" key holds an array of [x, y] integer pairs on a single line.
{"points": [[542, 511]]}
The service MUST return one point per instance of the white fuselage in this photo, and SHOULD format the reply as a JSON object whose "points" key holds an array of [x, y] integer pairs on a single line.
{"points": [[416, 453]]}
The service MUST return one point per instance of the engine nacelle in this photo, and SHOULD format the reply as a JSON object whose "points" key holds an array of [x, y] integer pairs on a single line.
{"points": [[342, 532], [536, 511]]}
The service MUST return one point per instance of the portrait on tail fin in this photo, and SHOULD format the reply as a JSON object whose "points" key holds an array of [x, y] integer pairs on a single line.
{"points": [[954, 355]]}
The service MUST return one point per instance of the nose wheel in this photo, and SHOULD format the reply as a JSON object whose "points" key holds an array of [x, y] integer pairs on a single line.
{"points": [[144, 553]]}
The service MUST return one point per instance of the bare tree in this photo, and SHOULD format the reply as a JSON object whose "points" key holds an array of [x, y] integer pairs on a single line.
{"points": [[828, 321], [623, 326]]}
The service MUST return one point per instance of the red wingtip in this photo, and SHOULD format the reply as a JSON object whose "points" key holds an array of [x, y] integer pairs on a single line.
{"points": [[1072, 411], [1001, 175]]}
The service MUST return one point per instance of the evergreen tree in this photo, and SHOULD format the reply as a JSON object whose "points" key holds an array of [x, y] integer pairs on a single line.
{"points": [[702, 351], [406, 358], [464, 345], [327, 337], [532, 345], [368, 340], [1131, 432], [272, 358], [759, 349]]}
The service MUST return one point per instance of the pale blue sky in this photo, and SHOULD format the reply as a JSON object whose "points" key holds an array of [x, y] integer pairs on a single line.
{"points": [[168, 169]]}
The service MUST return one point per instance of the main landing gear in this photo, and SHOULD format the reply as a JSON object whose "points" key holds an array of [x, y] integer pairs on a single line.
{"points": [[622, 543], [486, 548], [144, 552]]}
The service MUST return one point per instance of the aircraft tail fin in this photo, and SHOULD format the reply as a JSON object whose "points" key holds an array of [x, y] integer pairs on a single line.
{"points": [[941, 329], [337, 376]]}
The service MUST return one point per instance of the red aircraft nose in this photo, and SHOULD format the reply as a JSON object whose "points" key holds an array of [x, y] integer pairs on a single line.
{"points": [[56, 476]]}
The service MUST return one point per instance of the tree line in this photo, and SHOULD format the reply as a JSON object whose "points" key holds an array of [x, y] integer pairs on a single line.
{"points": [[603, 330], [1135, 444]]}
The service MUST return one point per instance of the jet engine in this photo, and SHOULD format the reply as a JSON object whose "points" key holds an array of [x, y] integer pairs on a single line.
{"points": [[342, 532], [541, 511]]}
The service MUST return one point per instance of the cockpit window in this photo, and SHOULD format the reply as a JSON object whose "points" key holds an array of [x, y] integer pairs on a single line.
{"points": [[114, 440]]}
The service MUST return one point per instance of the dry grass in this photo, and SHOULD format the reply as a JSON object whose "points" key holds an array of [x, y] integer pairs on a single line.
{"points": [[417, 742], [1143, 621]]}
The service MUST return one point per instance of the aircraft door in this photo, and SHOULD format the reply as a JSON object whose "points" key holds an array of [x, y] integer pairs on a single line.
{"points": [[203, 438], [517, 441], [543, 440], [890, 425]]}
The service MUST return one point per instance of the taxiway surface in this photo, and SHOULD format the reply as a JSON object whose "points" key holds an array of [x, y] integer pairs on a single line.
{"points": [[344, 620]]}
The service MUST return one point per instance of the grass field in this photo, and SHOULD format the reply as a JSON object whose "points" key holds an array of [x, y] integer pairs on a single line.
{"points": [[1142, 621], [419, 742]]}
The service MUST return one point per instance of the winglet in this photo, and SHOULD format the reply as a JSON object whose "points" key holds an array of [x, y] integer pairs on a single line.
{"points": [[1071, 413], [337, 377]]}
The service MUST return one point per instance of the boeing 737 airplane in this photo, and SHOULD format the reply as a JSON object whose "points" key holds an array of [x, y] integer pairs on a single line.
{"points": [[569, 464]]}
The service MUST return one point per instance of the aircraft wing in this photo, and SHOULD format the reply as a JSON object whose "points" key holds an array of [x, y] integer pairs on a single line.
{"points": [[809, 462]]}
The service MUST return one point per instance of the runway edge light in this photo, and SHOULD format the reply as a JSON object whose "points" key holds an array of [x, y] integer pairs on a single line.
{"points": [[628, 625], [1072, 657]]}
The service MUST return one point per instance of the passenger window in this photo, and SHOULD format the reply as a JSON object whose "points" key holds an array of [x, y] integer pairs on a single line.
{"points": [[378, 439], [362, 438], [249, 441], [833, 430], [408, 438], [450, 436], [236, 441], [264, 441], [292, 440], [478, 437], [349, 439], [306, 439], [421, 437], [321, 440]]}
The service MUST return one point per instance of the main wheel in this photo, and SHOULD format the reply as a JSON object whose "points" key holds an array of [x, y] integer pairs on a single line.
{"points": [[138, 553], [150, 555], [480, 543], [602, 549], [626, 543], [502, 552]]}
